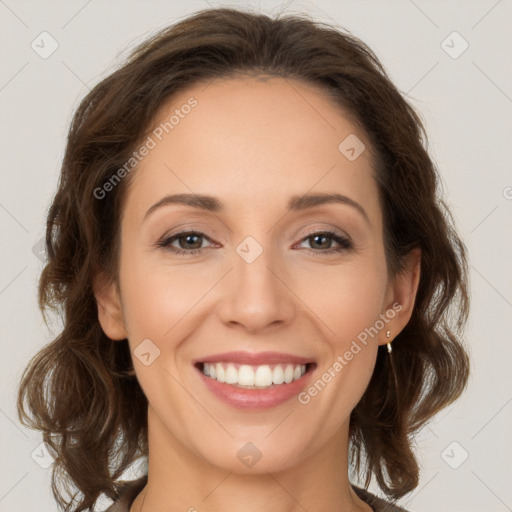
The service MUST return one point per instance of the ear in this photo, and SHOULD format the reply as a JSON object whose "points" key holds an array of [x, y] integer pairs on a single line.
{"points": [[110, 312], [401, 296]]}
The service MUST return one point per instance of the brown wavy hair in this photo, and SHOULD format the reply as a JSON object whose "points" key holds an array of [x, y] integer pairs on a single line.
{"points": [[80, 389]]}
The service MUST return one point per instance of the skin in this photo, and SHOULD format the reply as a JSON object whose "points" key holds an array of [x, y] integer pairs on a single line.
{"points": [[252, 144]]}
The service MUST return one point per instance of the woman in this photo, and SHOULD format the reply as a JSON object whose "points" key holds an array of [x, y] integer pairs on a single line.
{"points": [[260, 288]]}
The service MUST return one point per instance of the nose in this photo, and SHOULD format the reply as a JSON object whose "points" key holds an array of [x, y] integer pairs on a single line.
{"points": [[257, 296]]}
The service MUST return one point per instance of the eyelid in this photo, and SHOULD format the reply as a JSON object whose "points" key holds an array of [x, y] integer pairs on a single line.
{"points": [[187, 228], [330, 229]]}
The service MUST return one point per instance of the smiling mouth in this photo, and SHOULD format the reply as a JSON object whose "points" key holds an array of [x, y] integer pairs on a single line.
{"points": [[246, 376]]}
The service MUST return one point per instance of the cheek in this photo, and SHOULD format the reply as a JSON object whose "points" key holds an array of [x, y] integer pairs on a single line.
{"points": [[160, 304], [156, 298], [348, 298]]}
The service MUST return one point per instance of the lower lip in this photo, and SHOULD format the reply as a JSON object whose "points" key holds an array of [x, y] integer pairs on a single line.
{"points": [[256, 399]]}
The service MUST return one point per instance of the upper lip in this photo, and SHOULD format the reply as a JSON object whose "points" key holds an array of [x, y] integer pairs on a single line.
{"points": [[254, 358]]}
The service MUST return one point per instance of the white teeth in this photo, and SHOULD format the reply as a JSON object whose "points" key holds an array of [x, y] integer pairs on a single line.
{"points": [[254, 376], [263, 376], [231, 374], [278, 375], [288, 374], [219, 370], [246, 375]]}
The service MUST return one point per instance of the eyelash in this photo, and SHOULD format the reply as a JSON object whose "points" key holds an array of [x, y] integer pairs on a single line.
{"points": [[345, 243]]}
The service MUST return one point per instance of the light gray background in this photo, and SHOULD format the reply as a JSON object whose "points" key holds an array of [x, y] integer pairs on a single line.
{"points": [[466, 104]]}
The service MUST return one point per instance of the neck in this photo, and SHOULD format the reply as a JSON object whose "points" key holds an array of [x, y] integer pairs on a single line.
{"points": [[180, 480]]}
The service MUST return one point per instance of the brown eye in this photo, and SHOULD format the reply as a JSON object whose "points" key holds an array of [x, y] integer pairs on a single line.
{"points": [[189, 242], [321, 242]]}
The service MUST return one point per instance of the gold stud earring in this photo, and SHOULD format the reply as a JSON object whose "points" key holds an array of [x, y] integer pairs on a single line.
{"points": [[388, 335]]}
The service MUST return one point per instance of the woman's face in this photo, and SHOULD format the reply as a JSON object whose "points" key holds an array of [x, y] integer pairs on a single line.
{"points": [[267, 278]]}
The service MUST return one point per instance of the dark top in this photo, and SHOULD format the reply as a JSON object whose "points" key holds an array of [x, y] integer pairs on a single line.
{"points": [[131, 489]]}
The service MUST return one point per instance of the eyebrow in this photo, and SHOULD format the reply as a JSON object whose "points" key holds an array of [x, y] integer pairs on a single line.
{"points": [[296, 203]]}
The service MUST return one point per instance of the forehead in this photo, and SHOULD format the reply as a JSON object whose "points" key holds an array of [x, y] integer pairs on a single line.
{"points": [[252, 141]]}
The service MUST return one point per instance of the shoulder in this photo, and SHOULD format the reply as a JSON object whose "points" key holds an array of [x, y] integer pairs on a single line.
{"points": [[127, 494], [378, 504]]}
